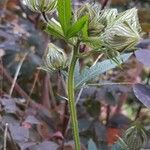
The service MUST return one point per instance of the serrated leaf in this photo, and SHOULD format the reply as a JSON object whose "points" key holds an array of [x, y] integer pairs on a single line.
{"points": [[91, 145], [64, 14], [55, 30], [76, 27], [101, 67], [142, 92]]}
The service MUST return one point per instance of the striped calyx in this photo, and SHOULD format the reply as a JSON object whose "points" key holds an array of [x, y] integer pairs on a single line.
{"points": [[41, 5], [94, 24], [54, 58], [123, 32], [134, 138], [114, 31]]}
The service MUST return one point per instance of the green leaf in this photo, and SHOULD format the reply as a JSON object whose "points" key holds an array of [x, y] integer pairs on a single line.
{"points": [[95, 42], [85, 30], [101, 67], [91, 145], [76, 27], [55, 30], [64, 14]]}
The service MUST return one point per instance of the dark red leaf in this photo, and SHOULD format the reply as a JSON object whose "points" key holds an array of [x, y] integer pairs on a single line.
{"points": [[143, 56], [19, 134], [46, 145], [31, 120], [26, 145], [9, 105], [142, 92], [113, 135]]}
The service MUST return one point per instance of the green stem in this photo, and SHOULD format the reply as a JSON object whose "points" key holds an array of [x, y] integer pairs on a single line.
{"points": [[71, 97]]}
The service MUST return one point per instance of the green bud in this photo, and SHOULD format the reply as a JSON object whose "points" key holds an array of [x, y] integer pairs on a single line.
{"points": [[123, 33], [41, 5], [92, 11], [54, 58]]}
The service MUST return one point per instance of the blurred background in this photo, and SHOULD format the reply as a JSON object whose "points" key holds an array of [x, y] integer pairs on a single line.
{"points": [[34, 107]]}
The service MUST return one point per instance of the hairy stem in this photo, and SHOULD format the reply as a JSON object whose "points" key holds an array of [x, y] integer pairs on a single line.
{"points": [[71, 97]]}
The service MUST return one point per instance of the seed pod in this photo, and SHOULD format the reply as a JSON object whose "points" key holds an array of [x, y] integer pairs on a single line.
{"points": [[54, 58], [135, 137], [92, 11], [122, 144], [41, 5], [108, 16], [131, 17], [120, 37], [123, 33]]}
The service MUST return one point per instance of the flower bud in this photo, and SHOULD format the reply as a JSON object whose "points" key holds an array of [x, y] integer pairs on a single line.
{"points": [[123, 33], [92, 11], [41, 5], [107, 16], [54, 58], [135, 137]]}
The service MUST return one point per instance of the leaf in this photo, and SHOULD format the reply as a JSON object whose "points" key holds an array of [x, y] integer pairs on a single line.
{"points": [[76, 27], [55, 30], [64, 14], [9, 105], [19, 133], [26, 145], [100, 133], [94, 42], [46, 145], [85, 30], [144, 44], [32, 120], [116, 147], [143, 56], [91, 145], [142, 92], [113, 134], [84, 123], [101, 67]]}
